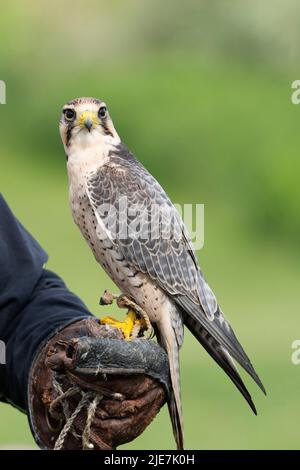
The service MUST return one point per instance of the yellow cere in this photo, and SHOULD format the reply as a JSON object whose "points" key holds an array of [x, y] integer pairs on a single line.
{"points": [[88, 115]]}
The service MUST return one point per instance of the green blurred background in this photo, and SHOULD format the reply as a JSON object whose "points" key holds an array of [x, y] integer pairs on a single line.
{"points": [[201, 92]]}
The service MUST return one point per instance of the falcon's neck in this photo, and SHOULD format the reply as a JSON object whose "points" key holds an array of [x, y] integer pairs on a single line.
{"points": [[86, 153], [89, 151]]}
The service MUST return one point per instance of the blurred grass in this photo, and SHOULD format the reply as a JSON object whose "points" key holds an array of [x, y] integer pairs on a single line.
{"points": [[204, 102]]}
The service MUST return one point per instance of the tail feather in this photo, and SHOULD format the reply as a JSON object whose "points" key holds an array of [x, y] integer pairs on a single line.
{"points": [[176, 421], [167, 338], [220, 355], [222, 332]]}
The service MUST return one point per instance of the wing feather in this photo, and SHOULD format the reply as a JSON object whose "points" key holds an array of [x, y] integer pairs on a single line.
{"points": [[170, 262]]}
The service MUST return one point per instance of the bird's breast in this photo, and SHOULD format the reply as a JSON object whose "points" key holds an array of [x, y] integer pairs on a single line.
{"points": [[129, 280]]}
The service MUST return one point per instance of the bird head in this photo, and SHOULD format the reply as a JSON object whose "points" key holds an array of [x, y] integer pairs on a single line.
{"points": [[86, 121]]}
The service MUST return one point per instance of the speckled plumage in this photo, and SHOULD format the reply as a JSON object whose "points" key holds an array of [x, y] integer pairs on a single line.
{"points": [[162, 275]]}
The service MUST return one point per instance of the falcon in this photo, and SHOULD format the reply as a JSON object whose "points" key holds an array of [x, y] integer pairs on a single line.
{"points": [[160, 273]]}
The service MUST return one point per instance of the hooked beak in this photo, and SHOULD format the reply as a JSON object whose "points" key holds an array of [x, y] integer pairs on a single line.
{"points": [[88, 123], [87, 120]]}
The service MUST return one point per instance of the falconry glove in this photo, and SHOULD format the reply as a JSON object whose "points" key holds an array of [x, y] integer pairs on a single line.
{"points": [[91, 389]]}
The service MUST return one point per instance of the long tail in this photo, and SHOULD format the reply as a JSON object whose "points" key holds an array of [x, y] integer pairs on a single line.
{"points": [[167, 338], [218, 338], [220, 355]]}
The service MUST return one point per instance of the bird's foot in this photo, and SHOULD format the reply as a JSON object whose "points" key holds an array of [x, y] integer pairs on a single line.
{"points": [[136, 321], [127, 326]]}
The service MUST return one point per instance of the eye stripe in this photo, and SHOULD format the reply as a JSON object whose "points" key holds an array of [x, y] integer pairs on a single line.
{"points": [[69, 135], [106, 129]]}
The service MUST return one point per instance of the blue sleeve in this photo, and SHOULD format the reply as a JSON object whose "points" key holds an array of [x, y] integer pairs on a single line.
{"points": [[34, 304]]}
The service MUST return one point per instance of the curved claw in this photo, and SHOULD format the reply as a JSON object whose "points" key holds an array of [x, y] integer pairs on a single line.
{"points": [[135, 321]]}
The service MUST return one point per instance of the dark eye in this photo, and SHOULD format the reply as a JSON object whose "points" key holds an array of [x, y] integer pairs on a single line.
{"points": [[102, 112], [69, 114]]}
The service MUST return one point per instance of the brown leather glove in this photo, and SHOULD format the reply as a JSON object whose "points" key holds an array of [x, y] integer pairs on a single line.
{"points": [[90, 389]]}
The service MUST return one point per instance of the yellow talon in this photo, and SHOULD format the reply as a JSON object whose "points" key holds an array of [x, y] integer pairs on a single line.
{"points": [[136, 323], [125, 326]]}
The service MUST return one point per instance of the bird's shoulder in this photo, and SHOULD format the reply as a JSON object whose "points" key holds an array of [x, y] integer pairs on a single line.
{"points": [[123, 174]]}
